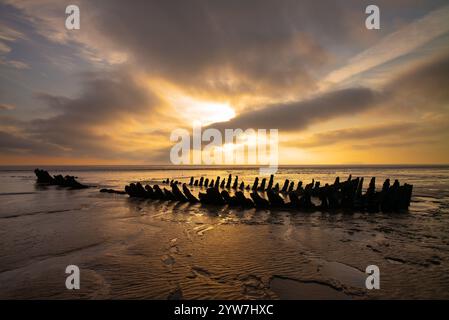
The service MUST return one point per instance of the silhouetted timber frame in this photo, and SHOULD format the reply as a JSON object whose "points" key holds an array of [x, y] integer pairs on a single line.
{"points": [[346, 196], [44, 178]]}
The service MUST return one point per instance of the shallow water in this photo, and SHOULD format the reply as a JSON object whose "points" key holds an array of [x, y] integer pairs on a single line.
{"points": [[130, 248]]}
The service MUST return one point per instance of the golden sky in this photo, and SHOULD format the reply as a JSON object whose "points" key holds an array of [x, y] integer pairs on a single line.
{"points": [[113, 91]]}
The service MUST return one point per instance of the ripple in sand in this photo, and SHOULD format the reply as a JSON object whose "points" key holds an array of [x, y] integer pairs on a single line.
{"points": [[253, 286], [345, 274], [291, 289], [200, 271], [394, 260], [168, 260], [175, 294], [201, 231]]}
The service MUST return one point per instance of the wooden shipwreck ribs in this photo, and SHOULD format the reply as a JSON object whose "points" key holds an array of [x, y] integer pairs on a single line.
{"points": [[346, 195], [44, 178]]}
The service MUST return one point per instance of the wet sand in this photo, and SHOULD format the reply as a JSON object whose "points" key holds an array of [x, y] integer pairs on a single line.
{"points": [[143, 249]]}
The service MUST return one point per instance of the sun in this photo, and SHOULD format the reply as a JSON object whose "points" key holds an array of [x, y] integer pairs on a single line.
{"points": [[205, 112], [188, 107]]}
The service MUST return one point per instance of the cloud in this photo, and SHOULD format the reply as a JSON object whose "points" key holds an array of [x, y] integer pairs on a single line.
{"points": [[350, 134], [398, 144], [230, 46], [10, 34], [424, 86], [4, 106], [14, 63], [398, 43], [4, 48], [261, 49], [87, 124], [296, 116], [106, 101], [105, 97], [13, 143]]}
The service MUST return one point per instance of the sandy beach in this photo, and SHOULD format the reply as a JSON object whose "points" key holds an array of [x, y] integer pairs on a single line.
{"points": [[143, 249]]}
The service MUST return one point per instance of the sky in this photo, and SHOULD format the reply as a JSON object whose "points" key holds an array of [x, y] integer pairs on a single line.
{"points": [[113, 91]]}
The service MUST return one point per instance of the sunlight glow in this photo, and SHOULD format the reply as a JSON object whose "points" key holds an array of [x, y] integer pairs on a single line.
{"points": [[206, 112], [190, 108]]}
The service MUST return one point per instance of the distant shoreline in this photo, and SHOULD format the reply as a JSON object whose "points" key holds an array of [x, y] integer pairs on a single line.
{"points": [[214, 167]]}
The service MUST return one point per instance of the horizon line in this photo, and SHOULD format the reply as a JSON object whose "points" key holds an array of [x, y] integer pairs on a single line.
{"points": [[234, 165]]}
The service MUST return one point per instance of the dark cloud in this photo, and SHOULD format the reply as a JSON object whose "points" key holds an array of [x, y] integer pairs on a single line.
{"points": [[425, 86], [4, 106], [82, 146], [201, 44], [299, 115], [13, 143], [276, 44], [84, 126], [105, 98]]}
